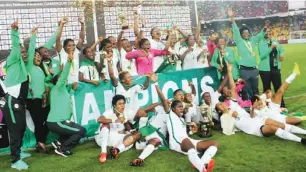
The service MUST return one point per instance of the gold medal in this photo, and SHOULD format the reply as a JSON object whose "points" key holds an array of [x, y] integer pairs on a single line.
{"points": [[249, 46], [72, 72]]}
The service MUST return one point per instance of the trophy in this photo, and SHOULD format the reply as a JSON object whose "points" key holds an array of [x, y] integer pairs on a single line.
{"points": [[122, 19], [192, 128], [206, 122]]}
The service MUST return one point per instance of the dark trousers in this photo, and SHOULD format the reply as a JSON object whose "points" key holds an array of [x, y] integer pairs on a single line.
{"points": [[250, 75], [14, 114], [39, 116], [274, 77], [69, 133]]}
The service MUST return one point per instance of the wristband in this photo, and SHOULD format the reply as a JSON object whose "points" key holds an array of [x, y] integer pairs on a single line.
{"points": [[155, 83]]}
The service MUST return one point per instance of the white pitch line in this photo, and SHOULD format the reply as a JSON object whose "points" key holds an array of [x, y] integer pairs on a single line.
{"points": [[291, 97]]}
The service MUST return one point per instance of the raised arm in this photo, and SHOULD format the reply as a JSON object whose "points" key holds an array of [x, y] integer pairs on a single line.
{"points": [[151, 108], [193, 90], [231, 80], [82, 34], [262, 33], [49, 44], [65, 73], [164, 101], [181, 32], [58, 44], [168, 43], [114, 80], [119, 46], [136, 28], [93, 47], [236, 32], [198, 31], [31, 51], [15, 52]]}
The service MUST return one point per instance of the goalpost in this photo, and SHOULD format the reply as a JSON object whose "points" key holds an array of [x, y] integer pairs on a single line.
{"points": [[297, 37]]}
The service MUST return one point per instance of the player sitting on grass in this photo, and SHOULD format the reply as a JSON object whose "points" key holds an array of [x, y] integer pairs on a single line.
{"points": [[255, 125], [113, 130], [273, 109], [156, 130]]}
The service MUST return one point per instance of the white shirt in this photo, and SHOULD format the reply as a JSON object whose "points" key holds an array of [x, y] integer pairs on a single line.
{"points": [[159, 120], [13, 90], [190, 60], [109, 114], [90, 72], [202, 62], [158, 60], [131, 95], [74, 70], [127, 65], [177, 128]]}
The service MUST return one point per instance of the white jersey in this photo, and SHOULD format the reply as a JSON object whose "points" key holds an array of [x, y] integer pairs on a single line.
{"points": [[127, 65], [270, 113], [131, 95], [74, 70], [158, 60], [190, 60], [177, 129], [244, 122], [159, 120], [115, 127], [90, 73]]}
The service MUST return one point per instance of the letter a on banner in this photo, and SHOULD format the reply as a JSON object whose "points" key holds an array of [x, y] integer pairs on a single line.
{"points": [[90, 109]]}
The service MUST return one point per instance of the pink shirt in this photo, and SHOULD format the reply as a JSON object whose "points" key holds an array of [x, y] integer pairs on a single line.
{"points": [[211, 46], [242, 103], [144, 64]]}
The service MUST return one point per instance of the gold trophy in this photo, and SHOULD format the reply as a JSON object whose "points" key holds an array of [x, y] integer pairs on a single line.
{"points": [[122, 19], [206, 122]]}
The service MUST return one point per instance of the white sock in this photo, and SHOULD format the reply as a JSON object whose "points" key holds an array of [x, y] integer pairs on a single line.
{"points": [[291, 78], [104, 139], [121, 148], [147, 151], [143, 121], [294, 129], [209, 153], [287, 136], [195, 160], [188, 117]]}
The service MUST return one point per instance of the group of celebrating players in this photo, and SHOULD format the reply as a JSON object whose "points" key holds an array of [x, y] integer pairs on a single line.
{"points": [[36, 82]]}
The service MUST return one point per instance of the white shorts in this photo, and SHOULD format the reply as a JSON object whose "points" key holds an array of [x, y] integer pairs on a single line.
{"points": [[114, 138], [177, 147], [251, 126], [154, 136]]}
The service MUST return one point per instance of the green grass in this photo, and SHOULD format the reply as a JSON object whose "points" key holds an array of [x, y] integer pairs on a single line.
{"points": [[239, 152]]}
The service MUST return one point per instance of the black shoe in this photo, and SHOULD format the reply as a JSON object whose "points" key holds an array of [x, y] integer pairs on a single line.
{"points": [[56, 144], [68, 153], [303, 141]]}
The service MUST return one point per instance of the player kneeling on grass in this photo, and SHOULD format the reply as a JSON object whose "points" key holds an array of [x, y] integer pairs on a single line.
{"points": [[60, 114], [113, 130], [251, 124], [156, 130], [273, 109]]}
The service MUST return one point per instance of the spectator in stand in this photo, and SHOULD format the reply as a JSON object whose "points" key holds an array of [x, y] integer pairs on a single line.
{"points": [[246, 50]]}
